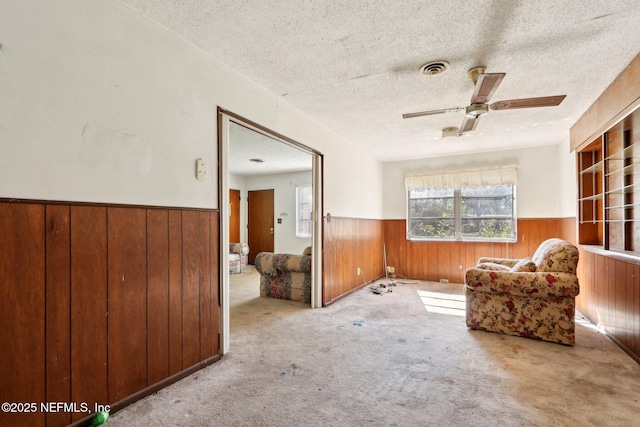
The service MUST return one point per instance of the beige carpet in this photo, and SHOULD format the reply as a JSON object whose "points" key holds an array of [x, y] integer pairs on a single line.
{"points": [[398, 359]]}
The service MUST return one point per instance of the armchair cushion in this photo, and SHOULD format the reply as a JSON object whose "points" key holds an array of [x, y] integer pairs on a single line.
{"points": [[540, 284], [556, 255]]}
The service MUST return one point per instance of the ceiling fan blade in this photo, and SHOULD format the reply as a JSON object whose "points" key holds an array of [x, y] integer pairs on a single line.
{"points": [[486, 86], [432, 112], [545, 101], [468, 124]]}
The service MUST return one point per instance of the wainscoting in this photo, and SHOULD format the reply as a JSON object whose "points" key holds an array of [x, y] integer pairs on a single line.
{"points": [[610, 297], [102, 302], [349, 244], [430, 260]]}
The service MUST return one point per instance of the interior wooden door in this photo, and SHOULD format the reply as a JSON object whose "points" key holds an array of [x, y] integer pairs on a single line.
{"points": [[260, 224], [234, 216]]}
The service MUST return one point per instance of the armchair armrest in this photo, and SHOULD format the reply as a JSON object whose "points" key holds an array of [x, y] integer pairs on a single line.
{"points": [[539, 284], [509, 262]]}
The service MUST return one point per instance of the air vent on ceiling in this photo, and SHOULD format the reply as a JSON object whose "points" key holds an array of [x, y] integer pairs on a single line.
{"points": [[434, 67]]}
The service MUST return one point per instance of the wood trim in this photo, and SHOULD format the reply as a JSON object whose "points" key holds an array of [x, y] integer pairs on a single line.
{"points": [[85, 422], [617, 101], [631, 257], [103, 205], [265, 130]]}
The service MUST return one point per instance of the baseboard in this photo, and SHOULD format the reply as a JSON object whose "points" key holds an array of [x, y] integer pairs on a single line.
{"points": [[338, 298], [84, 422], [624, 348]]}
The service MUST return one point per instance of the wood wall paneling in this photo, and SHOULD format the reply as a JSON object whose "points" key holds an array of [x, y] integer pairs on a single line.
{"points": [[435, 260], [93, 302], [88, 306], [58, 310], [216, 308], [610, 298], [349, 244], [191, 271], [175, 292], [22, 295], [157, 295], [205, 284], [635, 314], [127, 290]]}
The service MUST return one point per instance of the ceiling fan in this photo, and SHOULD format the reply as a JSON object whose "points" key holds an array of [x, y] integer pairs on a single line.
{"points": [[486, 85]]}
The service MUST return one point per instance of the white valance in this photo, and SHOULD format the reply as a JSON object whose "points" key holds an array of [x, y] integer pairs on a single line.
{"points": [[504, 175]]}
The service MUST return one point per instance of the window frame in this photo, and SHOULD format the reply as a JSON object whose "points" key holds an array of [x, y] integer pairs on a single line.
{"points": [[298, 211], [458, 219]]}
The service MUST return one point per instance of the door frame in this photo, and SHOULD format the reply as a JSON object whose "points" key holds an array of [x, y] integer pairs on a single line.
{"points": [[224, 118]]}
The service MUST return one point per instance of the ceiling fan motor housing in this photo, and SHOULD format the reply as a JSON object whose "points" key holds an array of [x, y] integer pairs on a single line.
{"points": [[476, 110]]}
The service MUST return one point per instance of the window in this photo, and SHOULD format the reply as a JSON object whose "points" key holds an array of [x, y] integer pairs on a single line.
{"points": [[304, 207], [469, 205]]}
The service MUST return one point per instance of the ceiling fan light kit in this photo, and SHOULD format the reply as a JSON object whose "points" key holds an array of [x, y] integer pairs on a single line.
{"points": [[450, 131], [486, 85]]}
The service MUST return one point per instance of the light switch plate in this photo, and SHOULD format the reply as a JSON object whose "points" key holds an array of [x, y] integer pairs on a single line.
{"points": [[201, 170]]}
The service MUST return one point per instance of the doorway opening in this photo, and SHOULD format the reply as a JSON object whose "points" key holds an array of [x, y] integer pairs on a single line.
{"points": [[258, 166]]}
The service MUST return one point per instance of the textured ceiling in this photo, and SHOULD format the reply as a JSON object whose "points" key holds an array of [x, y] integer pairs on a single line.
{"points": [[354, 65], [278, 157]]}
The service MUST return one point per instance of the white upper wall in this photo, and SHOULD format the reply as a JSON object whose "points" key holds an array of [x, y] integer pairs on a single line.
{"points": [[568, 182], [101, 105], [544, 179]]}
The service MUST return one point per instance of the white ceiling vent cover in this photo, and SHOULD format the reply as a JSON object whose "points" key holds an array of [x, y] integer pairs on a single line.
{"points": [[435, 67]]}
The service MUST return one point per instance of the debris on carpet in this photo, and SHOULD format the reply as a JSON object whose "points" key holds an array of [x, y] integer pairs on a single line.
{"points": [[382, 288]]}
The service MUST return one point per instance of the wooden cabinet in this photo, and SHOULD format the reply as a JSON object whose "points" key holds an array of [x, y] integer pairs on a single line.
{"points": [[608, 211]]}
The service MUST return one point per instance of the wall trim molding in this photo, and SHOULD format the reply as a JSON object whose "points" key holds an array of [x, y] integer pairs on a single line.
{"points": [[99, 204]]}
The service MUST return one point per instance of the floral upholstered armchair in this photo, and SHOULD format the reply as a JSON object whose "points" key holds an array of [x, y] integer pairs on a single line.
{"points": [[285, 276], [238, 257], [532, 297]]}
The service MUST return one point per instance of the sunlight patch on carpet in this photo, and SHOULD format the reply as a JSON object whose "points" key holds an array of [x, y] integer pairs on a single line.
{"points": [[443, 303]]}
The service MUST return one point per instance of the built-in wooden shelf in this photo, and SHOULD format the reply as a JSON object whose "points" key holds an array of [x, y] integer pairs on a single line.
{"points": [[608, 211]]}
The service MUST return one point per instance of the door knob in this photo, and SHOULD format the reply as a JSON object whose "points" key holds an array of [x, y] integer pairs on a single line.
{"points": [[271, 230]]}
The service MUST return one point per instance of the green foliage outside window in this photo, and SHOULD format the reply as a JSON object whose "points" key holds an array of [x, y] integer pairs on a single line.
{"points": [[485, 213]]}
